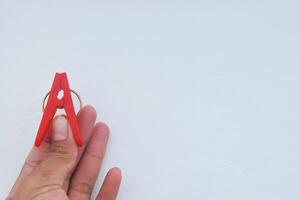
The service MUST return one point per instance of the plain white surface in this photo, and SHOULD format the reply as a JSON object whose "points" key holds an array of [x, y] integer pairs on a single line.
{"points": [[202, 97]]}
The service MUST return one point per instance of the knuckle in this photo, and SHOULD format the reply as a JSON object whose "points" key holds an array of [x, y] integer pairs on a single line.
{"points": [[63, 151], [94, 155], [29, 163]]}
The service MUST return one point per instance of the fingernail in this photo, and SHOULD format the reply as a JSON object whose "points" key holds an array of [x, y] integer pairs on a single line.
{"points": [[60, 128]]}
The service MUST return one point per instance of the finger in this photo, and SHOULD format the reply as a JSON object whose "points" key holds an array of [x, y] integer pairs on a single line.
{"points": [[111, 184], [56, 167], [86, 119], [86, 173]]}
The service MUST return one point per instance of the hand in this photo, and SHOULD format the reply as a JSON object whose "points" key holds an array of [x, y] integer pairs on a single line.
{"points": [[59, 170]]}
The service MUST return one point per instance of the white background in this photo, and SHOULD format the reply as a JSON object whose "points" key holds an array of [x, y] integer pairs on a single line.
{"points": [[202, 97]]}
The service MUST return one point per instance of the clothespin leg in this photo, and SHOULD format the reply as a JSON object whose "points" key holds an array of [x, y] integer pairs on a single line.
{"points": [[48, 115], [74, 124]]}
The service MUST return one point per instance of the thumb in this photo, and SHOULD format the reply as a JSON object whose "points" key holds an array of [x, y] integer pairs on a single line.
{"points": [[56, 168]]}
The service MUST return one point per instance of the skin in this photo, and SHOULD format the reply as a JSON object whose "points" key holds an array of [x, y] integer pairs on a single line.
{"points": [[60, 170]]}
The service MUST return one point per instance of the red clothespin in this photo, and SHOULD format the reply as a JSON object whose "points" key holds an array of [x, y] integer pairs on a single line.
{"points": [[60, 83]]}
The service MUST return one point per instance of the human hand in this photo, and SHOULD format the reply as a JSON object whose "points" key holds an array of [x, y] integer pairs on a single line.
{"points": [[59, 170]]}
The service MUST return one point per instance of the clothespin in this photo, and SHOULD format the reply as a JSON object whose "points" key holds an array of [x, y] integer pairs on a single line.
{"points": [[60, 83]]}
